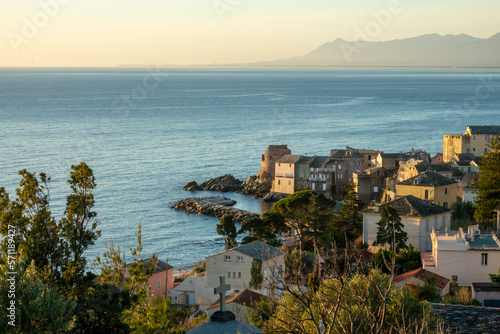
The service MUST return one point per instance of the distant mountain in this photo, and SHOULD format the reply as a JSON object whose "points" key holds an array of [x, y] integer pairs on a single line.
{"points": [[431, 50]]}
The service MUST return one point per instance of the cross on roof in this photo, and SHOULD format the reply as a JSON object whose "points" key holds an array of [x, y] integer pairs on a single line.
{"points": [[221, 290]]}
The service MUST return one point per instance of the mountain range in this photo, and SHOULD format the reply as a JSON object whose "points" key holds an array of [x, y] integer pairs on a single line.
{"points": [[432, 50]]}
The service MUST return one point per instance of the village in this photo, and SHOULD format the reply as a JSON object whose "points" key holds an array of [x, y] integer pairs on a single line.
{"points": [[454, 253]]}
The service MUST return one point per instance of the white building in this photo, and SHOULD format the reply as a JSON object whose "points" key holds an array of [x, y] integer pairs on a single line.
{"points": [[418, 216], [465, 257]]}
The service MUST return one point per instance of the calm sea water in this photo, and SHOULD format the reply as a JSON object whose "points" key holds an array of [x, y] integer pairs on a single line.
{"points": [[146, 132]]}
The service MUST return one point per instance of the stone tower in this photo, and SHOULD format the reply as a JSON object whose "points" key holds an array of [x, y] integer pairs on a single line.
{"points": [[269, 158]]}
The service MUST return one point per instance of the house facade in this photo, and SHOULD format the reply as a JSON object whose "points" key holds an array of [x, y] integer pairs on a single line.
{"points": [[431, 187], [466, 257], [162, 279], [419, 218], [474, 140]]}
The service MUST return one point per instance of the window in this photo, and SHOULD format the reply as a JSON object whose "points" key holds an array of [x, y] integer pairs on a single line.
{"points": [[159, 284], [340, 176], [473, 137], [279, 165], [239, 275], [290, 165], [227, 258], [279, 181], [485, 149], [234, 274], [454, 278], [289, 183], [228, 274], [240, 259], [485, 137], [484, 259], [312, 169], [473, 149], [340, 166], [445, 205], [446, 191], [426, 195]]}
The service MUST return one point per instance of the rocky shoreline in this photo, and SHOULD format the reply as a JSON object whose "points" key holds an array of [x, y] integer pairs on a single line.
{"points": [[254, 185], [217, 206]]}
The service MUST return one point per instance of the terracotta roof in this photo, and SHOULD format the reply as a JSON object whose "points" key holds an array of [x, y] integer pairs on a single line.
{"points": [[484, 130], [428, 179], [414, 206], [245, 297], [422, 275]]}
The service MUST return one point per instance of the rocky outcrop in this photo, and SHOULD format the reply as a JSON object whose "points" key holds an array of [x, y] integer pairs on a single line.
{"points": [[213, 206], [274, 197], [223, 183], [192, 186], [256, 186]]}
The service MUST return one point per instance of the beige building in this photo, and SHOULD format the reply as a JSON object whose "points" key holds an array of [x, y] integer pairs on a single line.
{"points": [[474, 140], [467, 257], [419, 218], [236, 264], [284, 170], [429, 186]]}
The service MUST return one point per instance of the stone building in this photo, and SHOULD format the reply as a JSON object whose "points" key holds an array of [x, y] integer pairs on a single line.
{"points": [[269, 158], [474, 140]]}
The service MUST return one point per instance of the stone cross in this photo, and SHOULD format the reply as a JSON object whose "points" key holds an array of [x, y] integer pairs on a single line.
{"points": [[221, 290]]}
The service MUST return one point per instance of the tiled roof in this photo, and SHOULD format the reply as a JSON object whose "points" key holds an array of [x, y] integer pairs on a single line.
{"points": [[413, 206], [433, 167], [398, 156], [305, 159], [428, 179], [346, 154], [290, 159], [259, 250], [245, 297], [319, 161], [484, 130], [423, 274]]}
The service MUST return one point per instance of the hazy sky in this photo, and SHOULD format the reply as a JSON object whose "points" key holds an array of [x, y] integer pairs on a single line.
{"points": [[182, 32]]}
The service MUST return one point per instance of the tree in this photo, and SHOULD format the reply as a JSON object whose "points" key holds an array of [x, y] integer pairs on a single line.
{"points": [[390, 229], [462, 214], [39, 308], [266, 229], [349, 221], [256, 274], [308, 213], [227, 229], [489, 182]]}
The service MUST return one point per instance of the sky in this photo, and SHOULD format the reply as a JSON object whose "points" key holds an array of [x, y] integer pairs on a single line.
{"points": [[107, 33]]}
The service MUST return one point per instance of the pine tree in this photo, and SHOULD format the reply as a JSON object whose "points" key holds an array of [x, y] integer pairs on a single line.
{"points": [[390, 230], [489, 182]]}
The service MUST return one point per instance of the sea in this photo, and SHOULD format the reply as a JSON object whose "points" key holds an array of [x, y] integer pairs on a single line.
{"points": [[146, 132]]}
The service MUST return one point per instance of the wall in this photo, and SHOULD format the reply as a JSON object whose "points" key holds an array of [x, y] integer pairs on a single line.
{"points": [[284, 181], [466, 265], [269, 158], [417, 191], [166, 283]]}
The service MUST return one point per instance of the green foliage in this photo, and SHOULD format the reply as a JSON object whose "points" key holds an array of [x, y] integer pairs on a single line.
{"points": [[384, 260], [489, 183], [157, 316], [308, 213], [408, 259], [227, 229], [462, 214], [266, 229], [39, 307], [261, 312], [351, 304], [299, 263], [426, 292], [495, 278], [463, 296], [313, 280], [349, 221], [256, 274], [390, 230]]}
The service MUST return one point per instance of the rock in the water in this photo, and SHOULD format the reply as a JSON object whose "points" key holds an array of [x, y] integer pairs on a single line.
{"points": [[213, 206], [256, 186], [274, 197], [192, 186], [223, 183]]}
